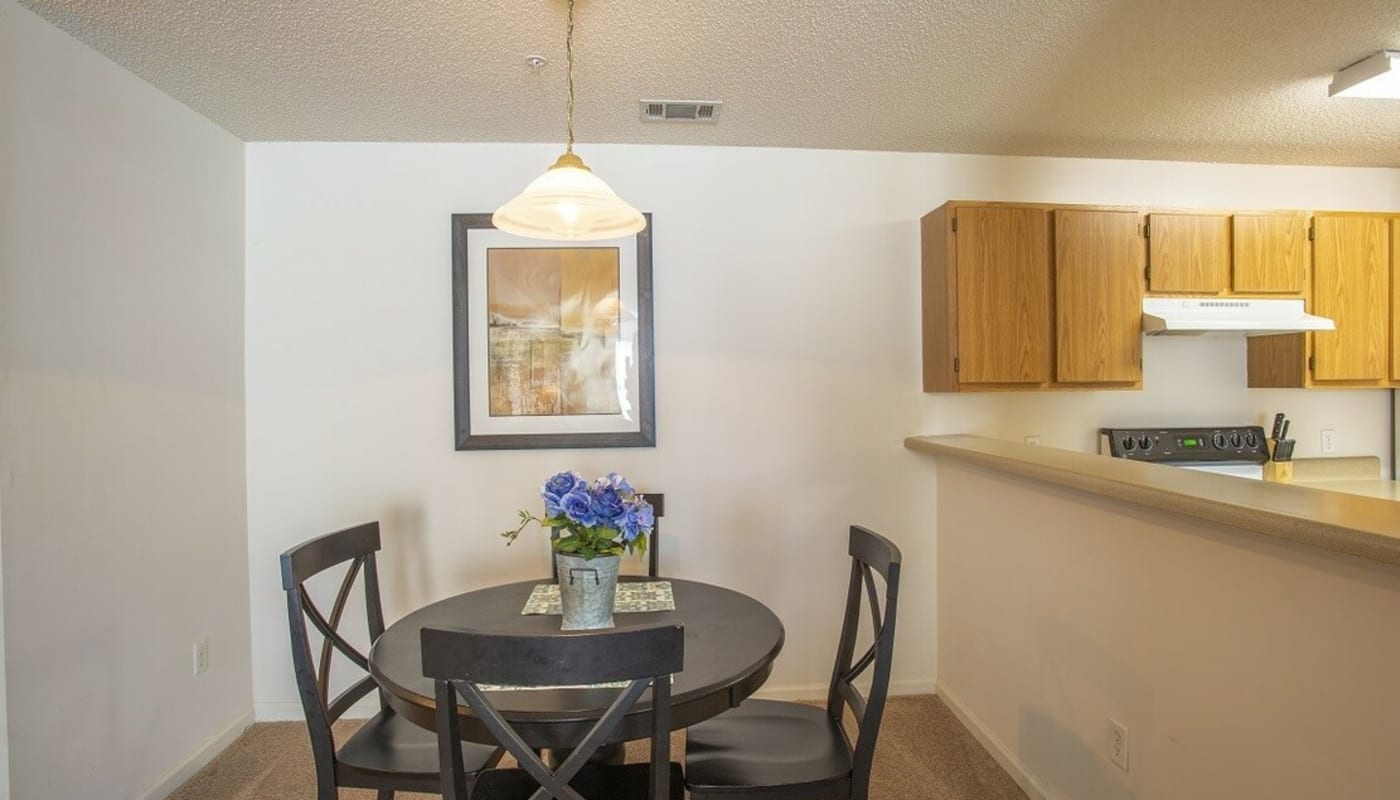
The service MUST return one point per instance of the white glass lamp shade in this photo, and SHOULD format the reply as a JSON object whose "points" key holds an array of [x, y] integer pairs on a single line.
{"points": [[569, 202]]}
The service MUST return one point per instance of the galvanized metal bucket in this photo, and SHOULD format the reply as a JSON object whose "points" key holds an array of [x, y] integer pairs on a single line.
{"points": [[587, 590]]}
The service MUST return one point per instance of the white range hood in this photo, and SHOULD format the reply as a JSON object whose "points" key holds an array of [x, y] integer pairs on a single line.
{"points": [[1196, 316]]}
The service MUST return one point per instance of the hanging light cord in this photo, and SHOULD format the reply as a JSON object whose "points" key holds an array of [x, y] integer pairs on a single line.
{"points": [[569, 59]]}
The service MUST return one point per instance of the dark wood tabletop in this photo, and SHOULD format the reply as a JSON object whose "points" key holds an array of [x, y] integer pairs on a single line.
{"points": [[731, 641]]}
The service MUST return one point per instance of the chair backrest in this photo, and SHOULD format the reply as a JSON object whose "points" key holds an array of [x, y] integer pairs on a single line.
{"points": [[354, 547], [871, 554], [460, 661], [658, 508]]}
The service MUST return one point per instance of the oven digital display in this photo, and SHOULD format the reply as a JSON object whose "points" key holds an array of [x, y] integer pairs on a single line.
{"points": [[1191, 441]]}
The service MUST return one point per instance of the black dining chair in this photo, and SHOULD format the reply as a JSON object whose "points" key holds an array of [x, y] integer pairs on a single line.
{"points": [[658, 509], [769, 750], [388, 754], [460, 661]]}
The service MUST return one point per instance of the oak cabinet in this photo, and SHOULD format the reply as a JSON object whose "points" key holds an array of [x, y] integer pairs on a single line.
{"points": [[1098, 296], [1270, 253], [1351, 284], [986, 292], [1395, 299], [1188, 253]]}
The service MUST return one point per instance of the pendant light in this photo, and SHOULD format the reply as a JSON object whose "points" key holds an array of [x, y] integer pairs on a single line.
{"points": [[568, 201]]}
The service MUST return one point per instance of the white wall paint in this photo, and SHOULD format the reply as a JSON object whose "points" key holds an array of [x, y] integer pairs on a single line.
{"points": [[787, 365], [121, 421], [1243, 666]]}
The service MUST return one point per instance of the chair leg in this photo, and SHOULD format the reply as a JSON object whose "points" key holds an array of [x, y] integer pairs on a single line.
{"points": [[385, 794]]}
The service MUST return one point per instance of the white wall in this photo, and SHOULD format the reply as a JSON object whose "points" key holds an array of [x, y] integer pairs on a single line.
{"points": [[787, 365], [786, 375], [121, 422], [1242, 665]]}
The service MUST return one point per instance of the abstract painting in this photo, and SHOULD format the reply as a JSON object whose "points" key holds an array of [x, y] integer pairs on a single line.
{"points": [[552, 341], [553, 325]]}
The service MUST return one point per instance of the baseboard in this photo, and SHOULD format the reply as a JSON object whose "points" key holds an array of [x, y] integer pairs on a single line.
{"points": [[817, 691], [202, 755], [1003, 755], [292, 711]]}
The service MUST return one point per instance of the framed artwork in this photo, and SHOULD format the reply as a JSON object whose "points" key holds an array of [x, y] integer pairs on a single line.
{"points": [[552, 341]]}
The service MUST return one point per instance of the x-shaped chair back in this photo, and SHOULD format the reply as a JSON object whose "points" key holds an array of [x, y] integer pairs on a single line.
{"points": [[461, 661], [871, 555], [355, 548]]}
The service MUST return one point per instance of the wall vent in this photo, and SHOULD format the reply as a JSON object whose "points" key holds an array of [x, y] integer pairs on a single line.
{"points": [[680, 110]]}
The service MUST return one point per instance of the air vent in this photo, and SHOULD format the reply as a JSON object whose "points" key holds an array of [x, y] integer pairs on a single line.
{"points": [[680, 110]]}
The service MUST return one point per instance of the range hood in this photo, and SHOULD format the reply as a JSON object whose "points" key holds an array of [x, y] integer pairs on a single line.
{"points": [[1195, 316]]}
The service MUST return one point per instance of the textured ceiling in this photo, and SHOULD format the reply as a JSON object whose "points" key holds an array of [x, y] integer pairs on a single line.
{"points": [[1213, 80]]}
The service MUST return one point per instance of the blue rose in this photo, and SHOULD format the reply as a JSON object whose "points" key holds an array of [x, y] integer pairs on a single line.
{"points": [[636, 519], [607, 506], [620, 484], [578, 507], [556, 487]]}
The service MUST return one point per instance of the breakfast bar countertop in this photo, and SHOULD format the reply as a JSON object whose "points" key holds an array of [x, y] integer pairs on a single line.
{"points": [[1356, 517]]}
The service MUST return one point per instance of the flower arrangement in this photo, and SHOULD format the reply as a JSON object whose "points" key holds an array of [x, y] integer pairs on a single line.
{"points": [[598, 519]]}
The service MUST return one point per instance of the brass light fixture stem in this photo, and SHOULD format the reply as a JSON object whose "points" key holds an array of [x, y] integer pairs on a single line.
{"points": [[569, 59]]}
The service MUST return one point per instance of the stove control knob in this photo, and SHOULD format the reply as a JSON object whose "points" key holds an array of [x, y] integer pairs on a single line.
{"points": [[1251, 440], [1145, 443], [1128, 443], [1235, 440], [1219, 441]]}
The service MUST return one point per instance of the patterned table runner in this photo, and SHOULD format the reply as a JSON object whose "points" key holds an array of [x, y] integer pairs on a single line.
{"points": [[632, 597]]}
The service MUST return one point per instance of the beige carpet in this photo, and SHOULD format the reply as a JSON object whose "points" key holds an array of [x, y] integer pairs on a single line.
{"points": [[924, 753]]}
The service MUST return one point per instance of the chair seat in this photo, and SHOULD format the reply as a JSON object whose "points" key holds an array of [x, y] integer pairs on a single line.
{"points": [[388, 744], [764, 745]]}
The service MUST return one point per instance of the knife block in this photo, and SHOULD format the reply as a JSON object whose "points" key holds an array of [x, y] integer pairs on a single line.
{"points": [[1278, 471]]}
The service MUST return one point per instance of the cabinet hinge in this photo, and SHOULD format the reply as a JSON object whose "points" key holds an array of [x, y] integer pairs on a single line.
{"points": [[1147, 273], [1312, 363], [1147, 231], [957, 363], [955, 224], [1312, 233]]}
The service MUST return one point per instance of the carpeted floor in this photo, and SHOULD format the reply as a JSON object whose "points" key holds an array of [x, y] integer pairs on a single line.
{"points": [[924, 753]]}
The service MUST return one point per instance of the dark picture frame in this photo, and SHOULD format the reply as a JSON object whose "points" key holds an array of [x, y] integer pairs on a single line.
{"points": [[469, 329]]}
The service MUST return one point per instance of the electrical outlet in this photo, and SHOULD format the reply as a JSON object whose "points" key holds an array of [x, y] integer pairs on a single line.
{"points": [[1329, 442], [201, 656], [1033, 439], [1118, 744]]}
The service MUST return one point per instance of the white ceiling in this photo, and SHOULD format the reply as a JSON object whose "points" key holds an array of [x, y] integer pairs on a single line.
{"points": [[1211, 80]]}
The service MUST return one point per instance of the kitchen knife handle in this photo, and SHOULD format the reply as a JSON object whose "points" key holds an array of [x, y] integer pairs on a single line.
{"points": [[1278, 426], [1283, 434]]}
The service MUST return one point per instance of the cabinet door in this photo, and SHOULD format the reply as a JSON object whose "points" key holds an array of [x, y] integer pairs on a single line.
{"points": [[1003, 263], [1098, 291], [1189, 253], [1271, 253], [1351, 286], [1395, 299]]}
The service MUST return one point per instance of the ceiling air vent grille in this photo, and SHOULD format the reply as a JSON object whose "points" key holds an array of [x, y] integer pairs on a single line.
{"points": [[680, 110]]}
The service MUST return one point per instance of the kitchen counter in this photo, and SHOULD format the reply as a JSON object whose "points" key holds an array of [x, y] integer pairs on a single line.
{"points": [[1355, 517]]}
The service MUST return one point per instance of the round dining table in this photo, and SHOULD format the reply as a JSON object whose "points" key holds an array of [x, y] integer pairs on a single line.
{"points": [[731, 642]]}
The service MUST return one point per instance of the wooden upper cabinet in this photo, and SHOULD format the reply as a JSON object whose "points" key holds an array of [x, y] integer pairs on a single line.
{"points": [[1188, 253], [1395, 299], [1003, 294], [1098, 289], [1270, 253], [1351, 286]]}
